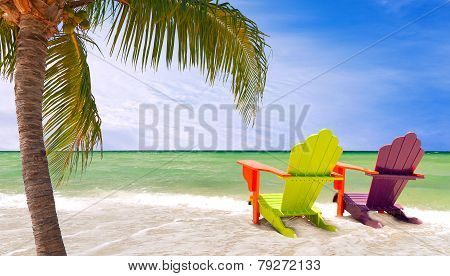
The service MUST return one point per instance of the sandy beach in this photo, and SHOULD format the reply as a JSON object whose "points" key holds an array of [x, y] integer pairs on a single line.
{"points": [[168, 224]]}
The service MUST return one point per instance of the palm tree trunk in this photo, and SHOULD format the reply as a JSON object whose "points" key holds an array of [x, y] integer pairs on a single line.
{"points": [[29, 86]]}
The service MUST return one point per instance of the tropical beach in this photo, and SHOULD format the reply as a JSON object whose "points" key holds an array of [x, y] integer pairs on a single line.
{"points": [[195, 203], [171, 133]]}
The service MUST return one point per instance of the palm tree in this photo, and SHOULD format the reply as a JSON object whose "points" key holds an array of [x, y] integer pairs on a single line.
{"points": [[43, 48]]}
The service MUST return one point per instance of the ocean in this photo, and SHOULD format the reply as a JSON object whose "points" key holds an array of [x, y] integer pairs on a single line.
{"points": [[194, 203]]}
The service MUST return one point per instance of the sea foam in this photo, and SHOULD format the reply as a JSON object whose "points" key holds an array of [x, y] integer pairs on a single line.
{"points": [[201, 202], [67, 203]]}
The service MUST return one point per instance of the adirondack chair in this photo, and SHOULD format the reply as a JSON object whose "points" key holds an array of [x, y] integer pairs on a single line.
{"points": [[394, 168], [310, 167]]}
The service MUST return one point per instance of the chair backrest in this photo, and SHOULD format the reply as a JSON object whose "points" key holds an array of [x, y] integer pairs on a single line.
{"points": [[315, 157], [399, 158]]}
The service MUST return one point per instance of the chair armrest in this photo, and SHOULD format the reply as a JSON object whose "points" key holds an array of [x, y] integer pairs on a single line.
{"points": [[355, 168], [398, 176], [282, 174], [261, 167]]}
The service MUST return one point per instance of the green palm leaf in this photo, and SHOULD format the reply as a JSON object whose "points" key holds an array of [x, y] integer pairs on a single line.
{"points": [[72, 127], [8, 36]]}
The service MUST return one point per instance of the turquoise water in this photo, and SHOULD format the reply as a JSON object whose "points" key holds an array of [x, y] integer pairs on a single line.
{"points": [[217, 174]]}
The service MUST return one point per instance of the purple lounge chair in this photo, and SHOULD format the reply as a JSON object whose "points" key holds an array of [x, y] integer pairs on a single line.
{"points": [[394, 168]]}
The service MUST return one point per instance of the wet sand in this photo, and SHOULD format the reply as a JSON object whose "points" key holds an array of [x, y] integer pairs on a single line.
{"points": [[137, 227]]}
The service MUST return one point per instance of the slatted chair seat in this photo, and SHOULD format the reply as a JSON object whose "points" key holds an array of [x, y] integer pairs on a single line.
{"points": [[360, 201], [274, 201], [356, 199]]}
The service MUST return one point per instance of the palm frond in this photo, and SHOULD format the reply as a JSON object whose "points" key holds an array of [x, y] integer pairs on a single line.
{"points": [[8, 34], [72, 123], [101, 10], [217, 38]]}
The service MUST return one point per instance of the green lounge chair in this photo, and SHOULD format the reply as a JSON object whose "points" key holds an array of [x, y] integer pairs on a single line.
{"points": [[310, 166]]}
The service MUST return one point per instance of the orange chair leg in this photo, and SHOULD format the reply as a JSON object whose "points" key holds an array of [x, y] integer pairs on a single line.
{"points": [[339, 186], [252, 178], [340, 203], [256, 214]]}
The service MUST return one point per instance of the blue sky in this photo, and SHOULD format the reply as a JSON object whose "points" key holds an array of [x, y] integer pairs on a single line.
{"points": [[402, 84]]}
